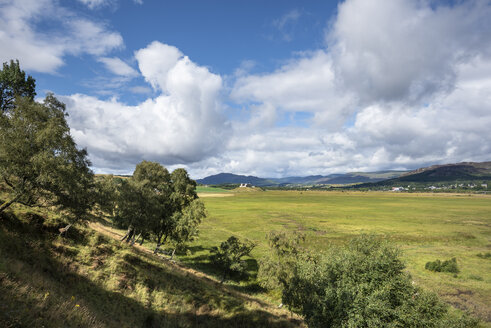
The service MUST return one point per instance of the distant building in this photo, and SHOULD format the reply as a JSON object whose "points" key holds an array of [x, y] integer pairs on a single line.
{"points": [[245, 185]]}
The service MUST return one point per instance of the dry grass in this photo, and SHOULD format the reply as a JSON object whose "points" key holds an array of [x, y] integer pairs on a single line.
{"points": [[90, 279]]}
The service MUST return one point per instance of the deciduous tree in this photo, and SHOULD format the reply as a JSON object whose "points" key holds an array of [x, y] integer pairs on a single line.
{"points": [[186, 224], [14, 83], [39, 162]]}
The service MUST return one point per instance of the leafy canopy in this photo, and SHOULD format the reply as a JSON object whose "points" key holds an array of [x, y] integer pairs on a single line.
{"points": [[14, 83], [39, 161]]}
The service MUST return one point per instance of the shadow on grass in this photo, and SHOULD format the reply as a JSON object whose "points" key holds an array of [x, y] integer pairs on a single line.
{"points": [[29, 263]]}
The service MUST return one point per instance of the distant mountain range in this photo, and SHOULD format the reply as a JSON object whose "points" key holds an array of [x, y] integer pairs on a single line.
{"points": [[466, 171], [347, 178]]}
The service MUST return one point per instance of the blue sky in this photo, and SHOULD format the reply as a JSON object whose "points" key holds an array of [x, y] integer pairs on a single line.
{"points": [[221, 35], [271, 88]]}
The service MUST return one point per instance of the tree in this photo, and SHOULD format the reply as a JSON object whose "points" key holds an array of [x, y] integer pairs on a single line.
{"points": [[276, 267], [186, 224], [363, 285], [179, 195], [39, 161], [183, 189], [153, 200], [228, 257], [137, 207], [13, 83], [144, 199], [106, 190]]}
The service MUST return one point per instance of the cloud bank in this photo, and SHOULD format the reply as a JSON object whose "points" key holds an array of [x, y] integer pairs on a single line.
{"points": [[400, 84]]}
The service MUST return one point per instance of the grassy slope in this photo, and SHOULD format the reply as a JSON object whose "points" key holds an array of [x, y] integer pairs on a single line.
{"points": [[91, 280], [426, 226]]}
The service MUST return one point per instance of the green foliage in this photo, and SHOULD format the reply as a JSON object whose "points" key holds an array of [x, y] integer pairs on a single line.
{"points": [[228, 257], [486, 255], [184, 189], [445, 266], [363, 285], [276, 267], [187, 222], [153, 200], [106, 193], [39, 161], [137, 206], [13, 83]]}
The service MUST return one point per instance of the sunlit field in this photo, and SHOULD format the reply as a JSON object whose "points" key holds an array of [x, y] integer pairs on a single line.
{"points": [[425, 226]]}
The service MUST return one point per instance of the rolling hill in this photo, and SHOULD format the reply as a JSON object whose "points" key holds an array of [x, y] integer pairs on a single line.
{"points": [[447, 173], [465, 171], [346, 178]]}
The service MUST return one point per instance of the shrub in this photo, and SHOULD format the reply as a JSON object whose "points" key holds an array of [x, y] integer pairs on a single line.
{"points": [[445, 266], [228, 257], [363, 285]]}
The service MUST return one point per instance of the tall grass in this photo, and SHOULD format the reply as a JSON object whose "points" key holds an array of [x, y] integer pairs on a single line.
{"points": [[89, 280]]}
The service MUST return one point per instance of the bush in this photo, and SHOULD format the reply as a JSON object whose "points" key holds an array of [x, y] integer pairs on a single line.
{"points": [[445, 266], [363, 285], [228, 257]]}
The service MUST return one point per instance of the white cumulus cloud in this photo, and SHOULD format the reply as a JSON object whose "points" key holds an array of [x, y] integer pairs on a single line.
{"points": [[400, 84], [183, 124], [406, 50]]}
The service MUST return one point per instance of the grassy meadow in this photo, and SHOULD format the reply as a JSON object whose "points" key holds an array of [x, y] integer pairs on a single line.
{"points": [[206, 189], [92, 279], [425, 226]]}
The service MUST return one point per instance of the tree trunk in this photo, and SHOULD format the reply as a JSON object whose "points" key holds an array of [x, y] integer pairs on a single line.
{"points": [[172, 255], [9, 202], [141, 241], [133, 239], [159, 238], [223, 277], [159, 244], [129, 234], [64, 230]]}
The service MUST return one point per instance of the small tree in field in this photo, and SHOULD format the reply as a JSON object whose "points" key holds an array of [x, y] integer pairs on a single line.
{"points": [[228, 257]]}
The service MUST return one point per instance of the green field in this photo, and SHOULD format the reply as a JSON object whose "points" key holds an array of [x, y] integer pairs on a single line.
{"points": [[206, 189], [426, 227]]}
